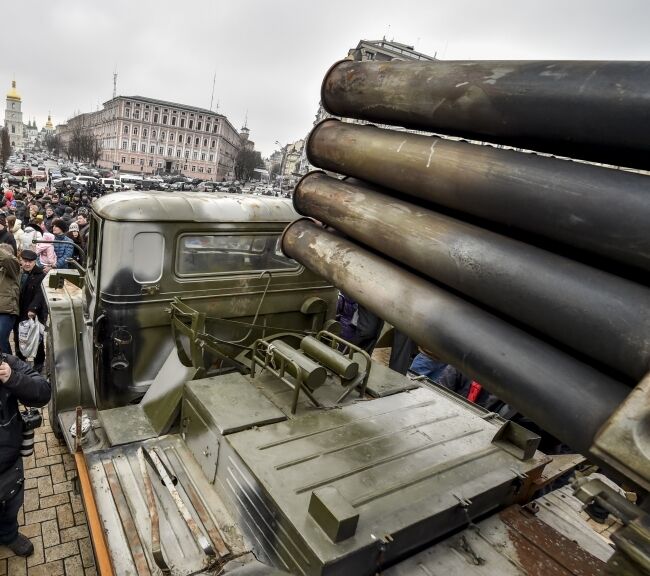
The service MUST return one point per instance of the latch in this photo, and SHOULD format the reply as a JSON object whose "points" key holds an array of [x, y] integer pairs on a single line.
{"points": [[150, 289]]}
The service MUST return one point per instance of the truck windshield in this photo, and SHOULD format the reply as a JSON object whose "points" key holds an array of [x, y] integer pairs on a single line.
{"points": [[210, 254]]}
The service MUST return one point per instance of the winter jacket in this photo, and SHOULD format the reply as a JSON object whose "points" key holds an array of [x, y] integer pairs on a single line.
{"points": [[9, 275], [31, 297], [46, 253], [24, 385], [24, 240], [63, 251]]}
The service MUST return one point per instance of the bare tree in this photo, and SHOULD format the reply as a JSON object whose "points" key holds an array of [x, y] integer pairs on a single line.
{"points": [[5, 146], [53, 143]]}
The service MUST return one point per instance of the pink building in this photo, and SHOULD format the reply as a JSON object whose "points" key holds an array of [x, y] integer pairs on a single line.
{"points": [[148, 136]]}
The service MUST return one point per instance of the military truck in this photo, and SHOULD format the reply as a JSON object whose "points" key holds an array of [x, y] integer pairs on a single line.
{"points": [[220, 425]]}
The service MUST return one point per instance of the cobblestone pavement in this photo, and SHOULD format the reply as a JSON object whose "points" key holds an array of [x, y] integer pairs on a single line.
{"points": [[52, 515]]}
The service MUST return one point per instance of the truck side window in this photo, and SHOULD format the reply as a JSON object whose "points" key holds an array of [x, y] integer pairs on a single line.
{"points": [[210, 254], [148, 255]]}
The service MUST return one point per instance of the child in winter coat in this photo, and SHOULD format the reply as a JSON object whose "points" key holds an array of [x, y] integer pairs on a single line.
{"points": [[46, 254]]}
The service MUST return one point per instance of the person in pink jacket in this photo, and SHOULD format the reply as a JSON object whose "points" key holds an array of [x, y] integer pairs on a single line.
{"points": [[46, 254]]}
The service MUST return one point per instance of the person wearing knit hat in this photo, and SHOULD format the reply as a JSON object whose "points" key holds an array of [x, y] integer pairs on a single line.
{"points": [[75, 236], [64, 248]]}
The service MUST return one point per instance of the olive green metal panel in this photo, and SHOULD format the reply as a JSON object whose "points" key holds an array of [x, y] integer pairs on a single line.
{"points": [[413, 466], [67, 362], [231, 403], [192, 207]]}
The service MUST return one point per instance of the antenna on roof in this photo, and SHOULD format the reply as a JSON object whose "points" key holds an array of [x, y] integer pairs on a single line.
{"points": [[114, 82], [214, 79], [246, 120]]}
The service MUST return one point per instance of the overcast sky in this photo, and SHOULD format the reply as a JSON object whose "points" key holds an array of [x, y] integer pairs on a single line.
{"points": [[270, 56]]}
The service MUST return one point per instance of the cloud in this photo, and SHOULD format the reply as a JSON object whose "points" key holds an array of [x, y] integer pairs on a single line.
{"points": [[270, 57]]}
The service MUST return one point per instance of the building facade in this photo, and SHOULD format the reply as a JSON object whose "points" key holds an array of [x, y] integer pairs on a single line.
{"points": [[148, 136], [14, 118]]}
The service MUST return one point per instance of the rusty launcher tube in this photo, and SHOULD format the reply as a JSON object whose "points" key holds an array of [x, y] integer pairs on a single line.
{"points": [[596, 209], [592, 110], [593, 312], [564, 396]]}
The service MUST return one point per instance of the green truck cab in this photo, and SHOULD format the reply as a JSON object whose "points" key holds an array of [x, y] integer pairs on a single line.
{"points": [[110, 325]]}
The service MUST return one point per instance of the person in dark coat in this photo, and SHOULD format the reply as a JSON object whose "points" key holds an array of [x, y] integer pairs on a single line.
{"points": [[31, 302], [18, 382], [6, 237]]}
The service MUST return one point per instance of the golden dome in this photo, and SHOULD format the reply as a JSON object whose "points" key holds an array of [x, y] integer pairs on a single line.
{"points": [[48, 124], [13, 93]]}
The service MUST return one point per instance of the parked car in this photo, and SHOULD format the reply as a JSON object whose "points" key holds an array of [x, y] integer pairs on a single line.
{"points": [[85, 180], [112, 184], [22, 171]]}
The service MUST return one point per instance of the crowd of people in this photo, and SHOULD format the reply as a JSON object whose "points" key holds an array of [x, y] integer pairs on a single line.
{"points": [[40, 230]]}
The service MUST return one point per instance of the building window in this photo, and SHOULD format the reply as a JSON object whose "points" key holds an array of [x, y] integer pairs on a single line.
{"points": [[161, 150], [199, 125], [132, 160], [125, 145], [123, 159], [146, 116], [153, 133], [163, 135], [193, 168], [164, 119], [171, 136], [159, 164], [188, 140], [136, 114], [195, 155], [211, 157], [196, 141], [141, 161], [152, 149], [201, 169], [191, 124], [182, 122], [126, 129], [135, 130], [209, 170], [134, 146], [127, 113], [187, 153], [213, 144], [169, 151], [207, 127], [155, 118], [178, 153], [216, 127], [184, 166], [150, 163], [145, 132], [203, 156], [143, 148], [173, 120], [205, 141]]}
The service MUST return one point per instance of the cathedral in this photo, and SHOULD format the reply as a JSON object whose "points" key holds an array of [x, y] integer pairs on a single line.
{"points": [[14, 118]]}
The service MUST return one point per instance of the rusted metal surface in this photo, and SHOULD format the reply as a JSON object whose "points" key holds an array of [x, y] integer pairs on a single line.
{"points": [[601, 315], [160, 469], [128, 525], [542, 551], [594, 208], [592, 110], [156, 550], [564, 396], [213, 532]]}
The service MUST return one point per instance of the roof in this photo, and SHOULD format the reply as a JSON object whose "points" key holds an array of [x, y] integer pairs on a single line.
{"points": [[193, 207], [13, 93], [170, 104]]}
